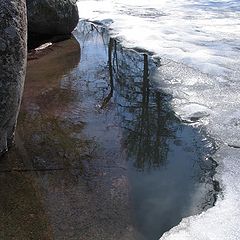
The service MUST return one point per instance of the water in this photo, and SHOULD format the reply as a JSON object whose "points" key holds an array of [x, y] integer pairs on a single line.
{"points": [[198, 43], [100, 149], [166, 158]]}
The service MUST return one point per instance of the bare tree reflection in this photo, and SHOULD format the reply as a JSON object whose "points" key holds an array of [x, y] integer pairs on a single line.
{"points": [[110, 68], [150, 124], [144, 116]]}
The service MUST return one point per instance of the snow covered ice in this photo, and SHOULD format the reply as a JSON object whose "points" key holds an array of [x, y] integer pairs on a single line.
{"points": [[198, 42]]}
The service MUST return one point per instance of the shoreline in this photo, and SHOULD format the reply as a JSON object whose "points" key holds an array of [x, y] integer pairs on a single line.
{"points": [[67, 136]]}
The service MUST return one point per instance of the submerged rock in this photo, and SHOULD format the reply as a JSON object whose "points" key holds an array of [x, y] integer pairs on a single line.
{"points": [[13, 37], [51, 17]]}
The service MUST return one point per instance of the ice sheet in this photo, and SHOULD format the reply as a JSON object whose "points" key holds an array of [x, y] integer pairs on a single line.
{"points": [[201, 33]]}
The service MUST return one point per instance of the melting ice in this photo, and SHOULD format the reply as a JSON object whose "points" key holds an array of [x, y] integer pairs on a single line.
{"points": [[198, 42]]}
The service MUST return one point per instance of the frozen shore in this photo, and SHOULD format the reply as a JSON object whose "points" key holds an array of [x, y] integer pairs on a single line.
{"points": [[198, 42]]}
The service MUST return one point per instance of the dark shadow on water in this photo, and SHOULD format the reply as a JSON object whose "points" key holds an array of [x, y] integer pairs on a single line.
{"points": [[99, 153]]}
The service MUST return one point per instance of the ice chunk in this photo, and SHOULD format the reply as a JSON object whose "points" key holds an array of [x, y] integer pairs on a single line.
{"points": [[193, 112]]}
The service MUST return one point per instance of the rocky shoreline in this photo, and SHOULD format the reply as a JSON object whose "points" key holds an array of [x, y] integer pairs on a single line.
{"points": [[50, 21], [46, 21], [91, 129], [13, 58], [78, 191]]}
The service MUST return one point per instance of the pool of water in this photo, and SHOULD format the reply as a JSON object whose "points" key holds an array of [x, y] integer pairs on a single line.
{"points": [[169, 175], [100, 149]]}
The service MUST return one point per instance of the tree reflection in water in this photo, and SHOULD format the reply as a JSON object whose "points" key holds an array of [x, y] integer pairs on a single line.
{"points": [[144, 114], [168, 178], [175, 181], [71, 153]]}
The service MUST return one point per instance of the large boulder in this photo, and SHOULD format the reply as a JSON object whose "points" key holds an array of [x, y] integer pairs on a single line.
{"points": [[52, 17], [13, 38]]}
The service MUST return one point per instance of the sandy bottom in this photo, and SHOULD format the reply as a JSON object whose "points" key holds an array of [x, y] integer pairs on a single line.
{"points": [[58, 182]]}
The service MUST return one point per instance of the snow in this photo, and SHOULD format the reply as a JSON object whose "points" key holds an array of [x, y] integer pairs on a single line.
{"points": [[199, 45], [201, 33], [221, 221], [214, 104], [193, 111]]}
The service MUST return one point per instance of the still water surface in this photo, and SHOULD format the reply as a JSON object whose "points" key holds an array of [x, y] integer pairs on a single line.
{"points": [[100, 149]]}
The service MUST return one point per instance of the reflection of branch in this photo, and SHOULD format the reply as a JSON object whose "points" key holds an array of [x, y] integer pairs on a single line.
{"points": [[85, 36], [96, 27], [115, 57], [86, 31], [106, 99], [147, 135], [110, 68]]}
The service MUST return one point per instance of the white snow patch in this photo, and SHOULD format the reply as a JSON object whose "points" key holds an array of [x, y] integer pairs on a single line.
{"points": [[221, 221], [203, 34], [193, 112], [216, 100]]}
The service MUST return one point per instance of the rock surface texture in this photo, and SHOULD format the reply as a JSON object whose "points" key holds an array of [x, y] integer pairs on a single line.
{"points": [[13, 38], [52, 17]]}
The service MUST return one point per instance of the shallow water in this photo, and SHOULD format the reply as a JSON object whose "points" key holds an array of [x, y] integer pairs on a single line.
{"points": [[100, 149], [198, 43]]}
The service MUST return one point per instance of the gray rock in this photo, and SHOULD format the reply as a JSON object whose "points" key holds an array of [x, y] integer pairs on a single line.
{"points": [[52, 17], [13, 38]]}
